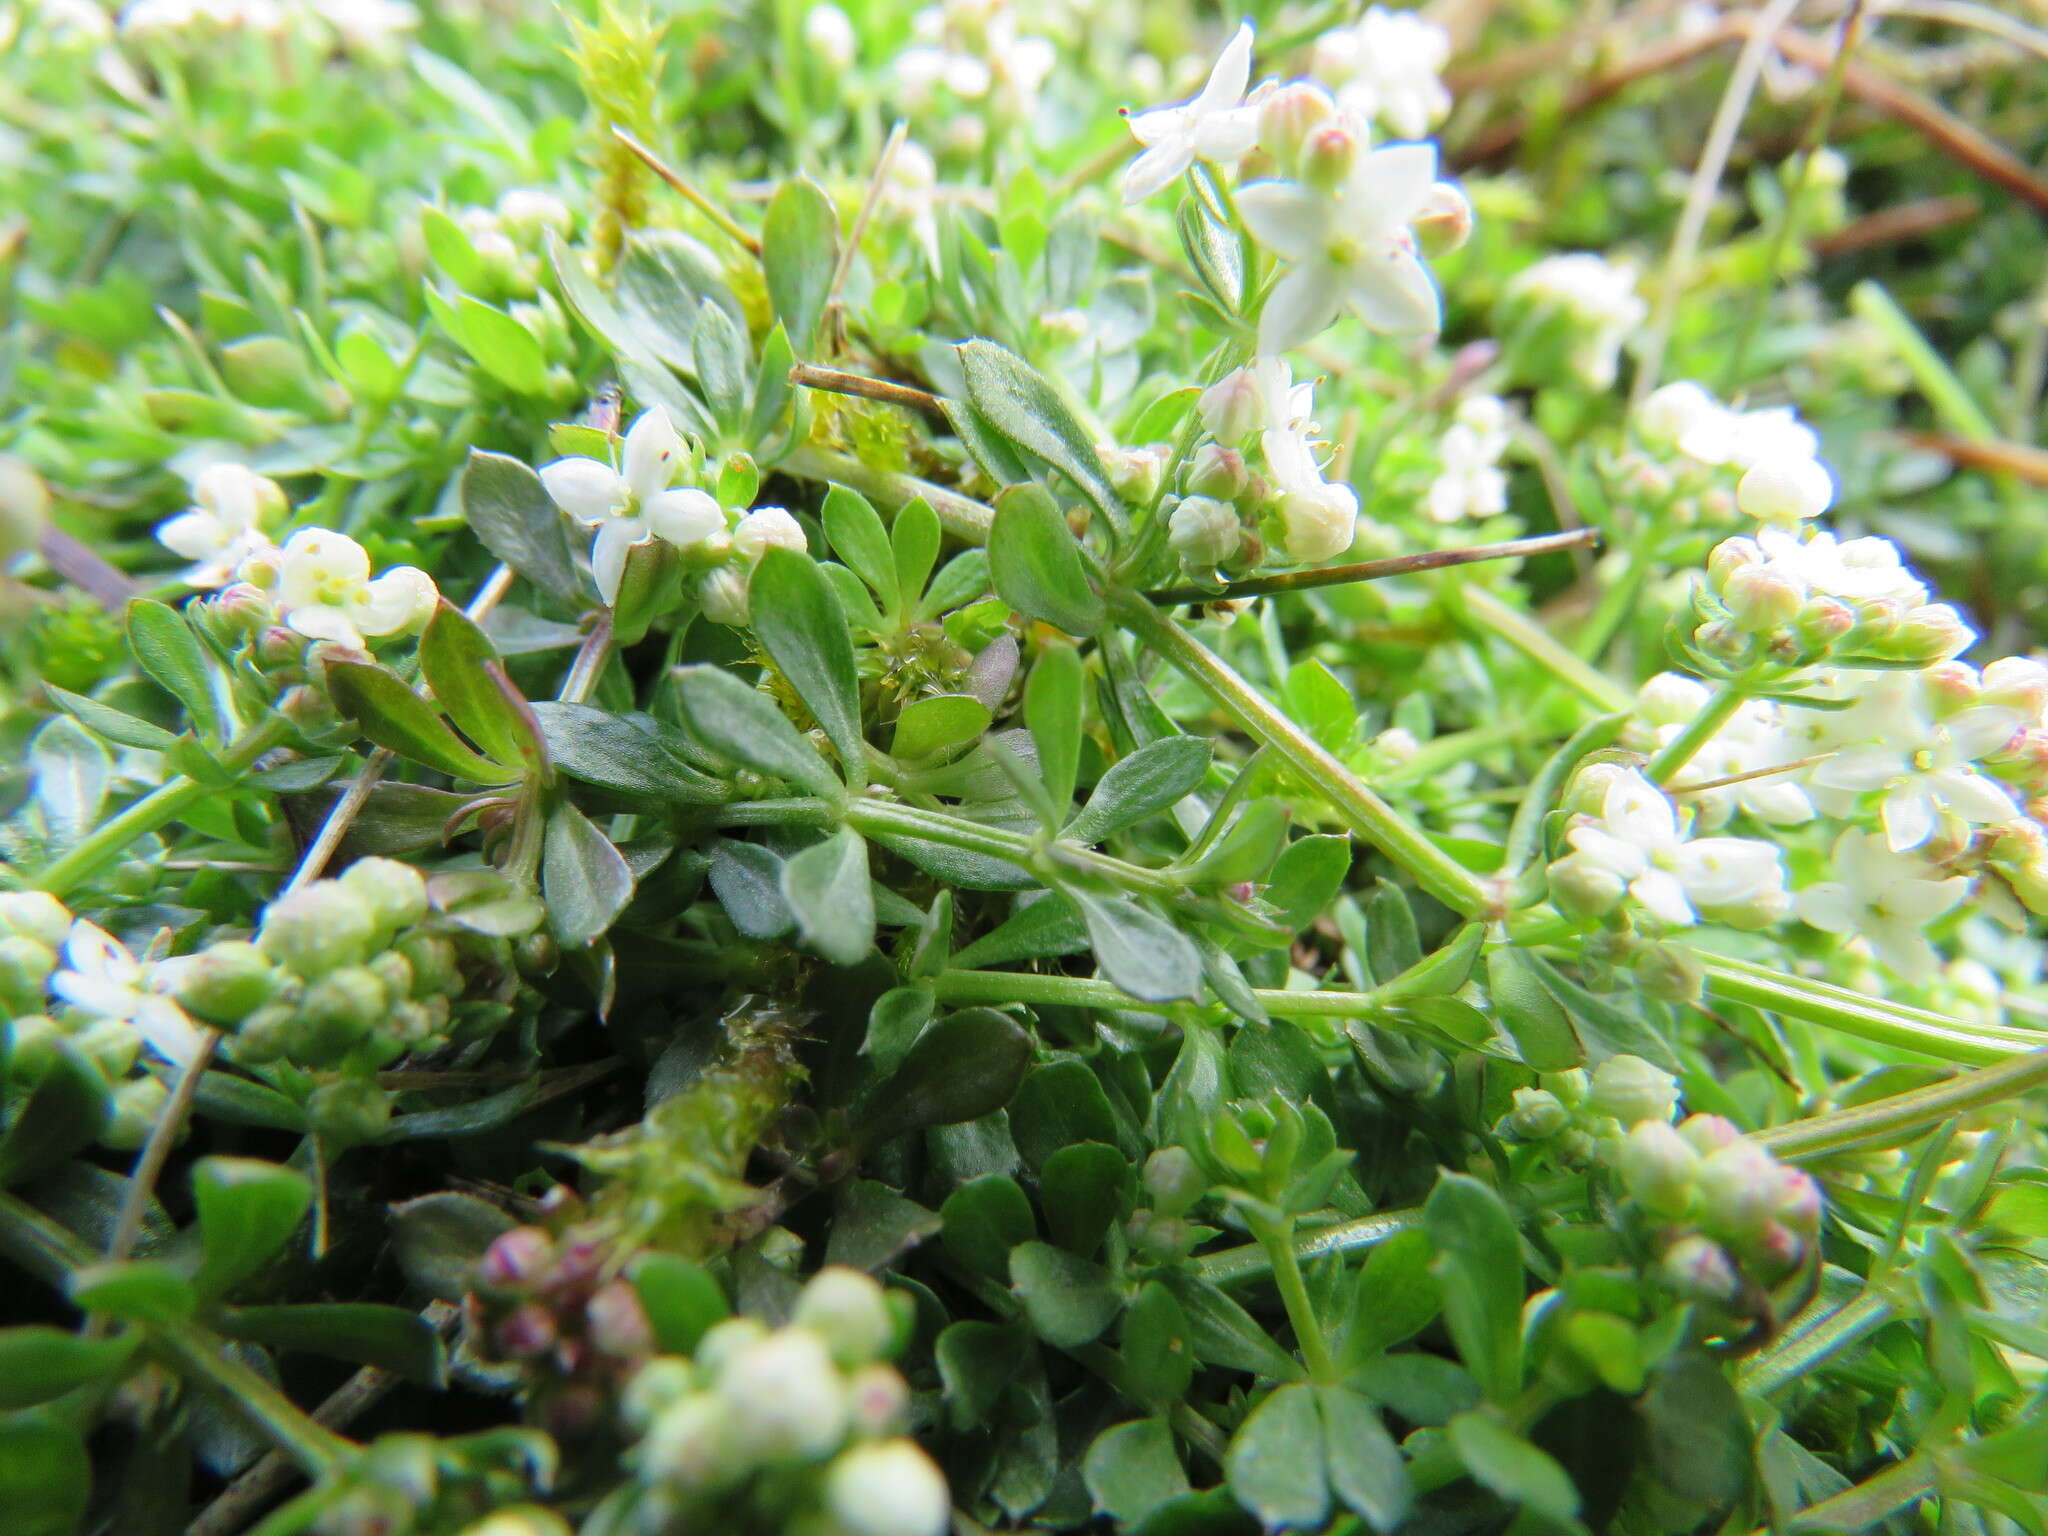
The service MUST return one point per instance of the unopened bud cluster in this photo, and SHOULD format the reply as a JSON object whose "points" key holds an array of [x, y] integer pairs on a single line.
{"points": [[807, 1418], [1572, 1113], [1725, 1210]]}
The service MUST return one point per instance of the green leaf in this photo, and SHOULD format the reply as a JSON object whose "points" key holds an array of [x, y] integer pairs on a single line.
{"points": [[38, 1362], [1157, 1347], [1541, 1030], [1143, 783], [167, 650], [248, 1210], [1040, 930], [633, 756], [964, 1067], [942, 722], [134, 1291], [976, 1361], [583, 878], [681, 1299], [1052, 709], [1391, 942], [1138, 951], [63, 1114], [116, 725], [510, 511], [1364, 1465], [45, 1474], [1061, 1104], [1479, 1267], [826, 886], [895, 1021], [461, 665], [1700, 1438], [873, 1226], [747, 880], [1083, 1189], [1131, 1469], [390, 1338], [799, 249], [1036, 564], [984, 1219], [1511, 1467], [718, 347], [766, 434], [914, 546], [395, 717], [1306, 878], [1224, 1334], [799, 623], [857, 537], [1017, 402], [1275, 1461], [743, 725], [1393, 1297], [1069, 1300], [502, 347], [438, 1239]]}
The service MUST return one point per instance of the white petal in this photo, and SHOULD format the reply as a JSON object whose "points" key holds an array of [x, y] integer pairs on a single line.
{"points": [[91, 951], [197, 535], [1392, 292], [1288, 220], [1389, 185], [1608, 851], [316, 621], [608, 554], [1908, 817], [1974, 733], [1663, 897], [1718, 871], [1159, 167], [1159, 125], [1829, 907], [1902, 947], [652, 448], [401, 599], [584, 488], [1301, 304], [1227, 137], [1233, 72], [1920, 902], [99, 995], [683, 517], [1972, 795], [168, 1031], [1860, 768]]}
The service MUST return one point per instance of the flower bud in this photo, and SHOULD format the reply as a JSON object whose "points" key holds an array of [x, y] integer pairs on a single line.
{"points": [[617, 1322], [529, 213], [1672, 411], [1537, 1115], [767, 528], [337, 1013], [521, 1520], [1658, 1167], [1632, 1090], [655, 1388], [516, 1259], [24, 507], [1219, 472], [1232, 408], [526, 1332], [1822, 623], [1289, 115], [1584, 889], [1738, 1190], [35, 915], [693, 1446], [786, 1399], [1785, 490], [1730, 556], [432, 958], [1134, 473], [226, 982], [1698, 1269], [2017, 682], [137, 1103], [394, 893], [1570, 1086], [847, 1308], [25, 968], [316, 928], [889, 1488], [348, 1112], [33, 1041], [1204, 532], [831, 37], [726, 1340], [1318, 524], [1328, 154], [1761, 599], [1933, 631], [1444, 221], [1174, 1181], [878, 1399], [722, 594]]}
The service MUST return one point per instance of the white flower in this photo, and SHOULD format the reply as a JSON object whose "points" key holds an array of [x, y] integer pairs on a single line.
{"points": [[1637, 839], [104, 979], [1318, 520], [971, 47], [1471, 484], [631, 504], [1600, 298], [1865, 570], [1754, 740], [177, 16], [531, 211], [1924, 767], [1672, 411], [367, 26], [830, 33], [1884, 897], [767, 528], [888, 1488], [224, 525], [1349, 248], [322, 584], [786, 1398], [1746, 438], [1387, 68], [1785, 490], [1204, 532], [1215, 126]]}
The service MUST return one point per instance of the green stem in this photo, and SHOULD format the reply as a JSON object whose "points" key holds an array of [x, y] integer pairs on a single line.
{"points": [[962, 516], [1365, 813], [1903, 1115], [2020, 1040], [1729, 697], [159, 808], [1794, 998], [1896, 1488], [1543, 648], [1799, 1351], [1085, 992], [1252, 1261], [1277, 1239]]}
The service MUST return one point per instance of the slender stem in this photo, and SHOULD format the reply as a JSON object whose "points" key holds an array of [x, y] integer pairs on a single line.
{"points": [[588, 666], [726, 224], [1375, 570], [1790, 997], [159, 808], [1365, 813], [1729, 697], [1252, 1261], [1088, 992], [878, 182], [2022, 1039], [1903, 1115], [1798, 1352], [1897, 1487], [838, 381], [1277, 1239], [962, 516], [156, 1150], [1541, 647]]}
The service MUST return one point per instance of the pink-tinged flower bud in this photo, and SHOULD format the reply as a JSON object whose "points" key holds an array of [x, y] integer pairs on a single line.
{"points": [[1328, 155], [2017, 682], [1658, 1167], [517, 1260], [1289, 115], [1799, 1199], [1738, 1190], [1709, 1133], [1730, 556], [1444, 221], [1700, 1270], [1762, 600], [1723, 638], [1929, 633], [1218, 471], [1785, 490], [1776, 1249], [1232, 408], [879, 1401], [279, 647], [1951, 686], [1204, 532], [1822, 623], [525, 1332], [1631, 1090], [617, 1322]]}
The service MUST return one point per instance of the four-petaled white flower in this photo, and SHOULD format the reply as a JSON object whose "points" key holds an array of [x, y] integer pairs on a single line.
{"points": [[321, 581], [1351, 248], [1637, 839], [224, 525], [104, 978], [1471, 483], [1318, 520], [1387, 68], [1216, 126], [1926, 767], [633, 503], [1885, 897]]}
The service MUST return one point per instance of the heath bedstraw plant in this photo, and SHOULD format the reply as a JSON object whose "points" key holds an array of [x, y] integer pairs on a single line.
{"points": [[766, 779]]}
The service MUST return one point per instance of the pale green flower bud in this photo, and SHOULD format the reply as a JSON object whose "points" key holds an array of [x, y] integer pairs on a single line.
{"points": [[1536, 1115], [1174, 1180], [137, 1103], [694, 1446], [1585, 889], [25, 968], [1658, 1167], [1218, 471], [523, 1520], [348, 1112], [890, 1488], [1444, 221], [1328, 154], [226, 982], [722, 594], [878, 1399], [1738, 1190], [35, 915], [1709, 1133], [1570, 1086], [847, 1308], [1631, 1090], [1204, 532], [337, 1012], [1762, 600], [395, 893], [318, 927], [1289, 115], [24, 507], [656, 1388], [786, 1399], [1700, 1270], [726, 1340], [32, 1040], [1670, 974]]}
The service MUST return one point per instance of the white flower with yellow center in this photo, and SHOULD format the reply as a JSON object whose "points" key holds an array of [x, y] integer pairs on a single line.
{"points": [[1637, 839], [321, 582], [225, 524], [632, 504]]}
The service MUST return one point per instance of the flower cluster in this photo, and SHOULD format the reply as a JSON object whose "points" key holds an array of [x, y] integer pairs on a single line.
{"points": [[1593, 299], [1471, 482], [808, 1415], [972, 51], [636, 503]]}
